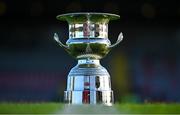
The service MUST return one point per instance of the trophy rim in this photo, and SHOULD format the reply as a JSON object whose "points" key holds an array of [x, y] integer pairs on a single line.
{"points": [[110, 16]]}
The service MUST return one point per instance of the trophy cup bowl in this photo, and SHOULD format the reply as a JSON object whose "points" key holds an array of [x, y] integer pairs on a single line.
{"points": [[88, 82]]}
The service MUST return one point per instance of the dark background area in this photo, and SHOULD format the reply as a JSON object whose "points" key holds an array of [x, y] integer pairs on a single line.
{"points": [[144, 67]]}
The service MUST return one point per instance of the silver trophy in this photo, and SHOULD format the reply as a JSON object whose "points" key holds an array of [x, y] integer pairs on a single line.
{"points": [[88, 82]]}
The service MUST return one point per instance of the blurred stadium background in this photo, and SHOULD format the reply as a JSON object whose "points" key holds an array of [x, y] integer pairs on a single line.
{"points": [[145, 67]]}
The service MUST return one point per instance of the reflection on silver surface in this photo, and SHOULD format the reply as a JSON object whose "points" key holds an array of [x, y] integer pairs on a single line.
{"points": [[89, 86], [89, 97], [97, 82], [88, 30], [88, 82]]}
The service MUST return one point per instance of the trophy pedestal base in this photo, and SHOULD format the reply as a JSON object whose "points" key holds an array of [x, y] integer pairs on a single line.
{"points": [[89, 97], [89, 83]]}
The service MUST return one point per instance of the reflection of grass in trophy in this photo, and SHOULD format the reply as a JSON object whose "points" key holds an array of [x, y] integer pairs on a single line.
{"points": [[50, 108], [81, 49]]}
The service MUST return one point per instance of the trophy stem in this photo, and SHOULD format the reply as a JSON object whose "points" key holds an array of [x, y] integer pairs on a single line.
{"points": [[89, 83]]}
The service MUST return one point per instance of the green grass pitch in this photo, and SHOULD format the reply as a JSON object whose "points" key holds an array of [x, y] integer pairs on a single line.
{"points": [[50, 108]]}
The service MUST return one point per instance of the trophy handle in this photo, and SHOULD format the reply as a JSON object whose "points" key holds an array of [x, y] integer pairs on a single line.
{"points": [[120, 38], [56, 38]]}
